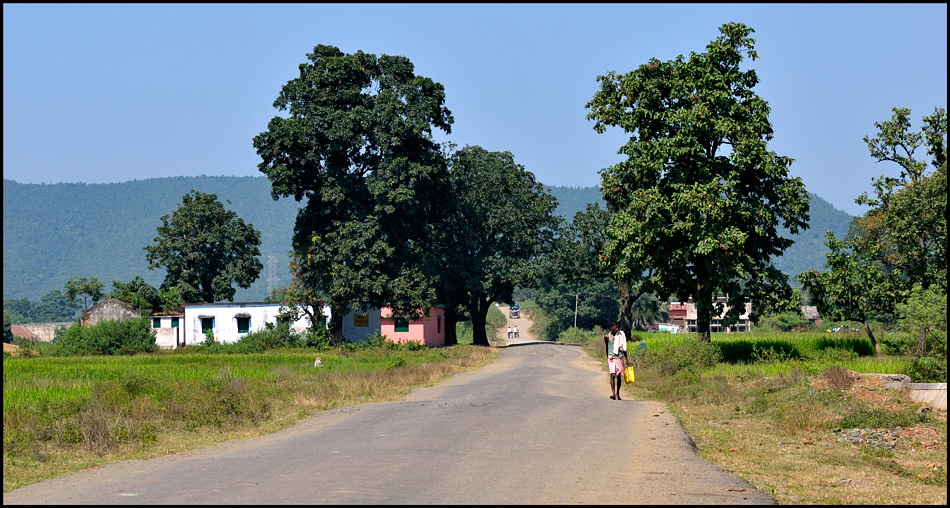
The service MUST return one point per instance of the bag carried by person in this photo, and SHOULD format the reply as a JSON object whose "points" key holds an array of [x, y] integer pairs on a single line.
{"points": [[628, 376]]}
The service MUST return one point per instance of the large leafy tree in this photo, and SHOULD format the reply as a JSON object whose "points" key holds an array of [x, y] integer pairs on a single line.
{"points": [[855, 287], [573, 268], [86, 289], [356, 147], [138, 293], [906, 227], [700, 196], [501, 222], [205, 250], [54, 306]]}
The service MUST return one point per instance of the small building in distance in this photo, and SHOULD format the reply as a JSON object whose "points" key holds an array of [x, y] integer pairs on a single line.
{"points": [[169, 334], [715, 326], [109, 309], [360, 324], [810, 312], [230, 321]]}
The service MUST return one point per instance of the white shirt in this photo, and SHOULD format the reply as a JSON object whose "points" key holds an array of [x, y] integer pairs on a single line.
{"points": [[619, 341]]}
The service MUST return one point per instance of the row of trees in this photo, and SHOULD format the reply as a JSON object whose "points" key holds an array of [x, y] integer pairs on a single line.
{"points": [[389, 217]]}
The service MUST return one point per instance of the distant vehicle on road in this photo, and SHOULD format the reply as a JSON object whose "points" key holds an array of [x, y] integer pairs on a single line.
{"points": [[514, 311]]}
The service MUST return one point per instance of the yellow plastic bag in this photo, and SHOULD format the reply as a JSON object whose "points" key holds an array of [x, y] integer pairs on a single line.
{"points": [[628, 375]]}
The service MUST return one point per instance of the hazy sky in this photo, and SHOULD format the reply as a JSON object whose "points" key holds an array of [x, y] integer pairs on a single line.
{"points": [[111, 93]]}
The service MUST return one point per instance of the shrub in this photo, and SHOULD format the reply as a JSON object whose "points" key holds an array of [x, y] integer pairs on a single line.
{"points": [[929, 369], [690, 355], [578, 336], [786, 322], [109, 338]]}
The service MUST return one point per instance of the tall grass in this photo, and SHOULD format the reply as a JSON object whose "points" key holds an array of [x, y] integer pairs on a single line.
{"points": [[60, 408]]}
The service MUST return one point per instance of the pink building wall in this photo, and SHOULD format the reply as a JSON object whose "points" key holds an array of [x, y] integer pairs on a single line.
{"points": [[428, 330]]}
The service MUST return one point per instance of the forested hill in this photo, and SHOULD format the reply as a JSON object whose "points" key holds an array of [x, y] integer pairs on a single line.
{"points": [[56, 232]]}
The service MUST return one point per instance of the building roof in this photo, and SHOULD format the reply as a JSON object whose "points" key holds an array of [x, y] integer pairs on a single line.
{"points": [[21, 331], [810, 312]]}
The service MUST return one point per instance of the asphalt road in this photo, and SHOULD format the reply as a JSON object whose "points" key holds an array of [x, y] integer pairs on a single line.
{"points": [[535, 427]]}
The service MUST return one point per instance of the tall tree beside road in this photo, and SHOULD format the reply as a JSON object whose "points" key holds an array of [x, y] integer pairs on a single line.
{"points": [[205, 249], [502, 220], [700, 196], [357, 147]]}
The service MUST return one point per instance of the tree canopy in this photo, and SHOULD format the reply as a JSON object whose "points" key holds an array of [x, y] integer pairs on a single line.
{"points": [[700, 196], [205, 249], [901, 242], [501, 221], [87, 289], [357, 146]]}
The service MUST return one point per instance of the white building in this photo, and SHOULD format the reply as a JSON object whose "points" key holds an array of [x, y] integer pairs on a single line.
{"points": [[230, 321], [715, 325]]}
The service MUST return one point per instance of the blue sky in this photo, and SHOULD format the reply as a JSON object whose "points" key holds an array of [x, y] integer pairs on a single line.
{"points": [[112, 93]]}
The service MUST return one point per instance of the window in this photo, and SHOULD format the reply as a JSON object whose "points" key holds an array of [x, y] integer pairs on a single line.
{"points": [[207, 324], [402, 324], [438, 325], [156, 323], [244, 324], [174, 322]]}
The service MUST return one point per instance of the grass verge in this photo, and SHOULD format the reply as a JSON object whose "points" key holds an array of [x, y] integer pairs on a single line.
{"points": [[782, 418], [63, 415]]}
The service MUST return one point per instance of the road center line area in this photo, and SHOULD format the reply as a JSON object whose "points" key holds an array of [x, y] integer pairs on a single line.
{"points": [[534, 427]]}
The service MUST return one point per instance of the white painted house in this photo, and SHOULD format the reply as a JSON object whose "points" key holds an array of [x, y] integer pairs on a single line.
{"points": [[230, 321]]}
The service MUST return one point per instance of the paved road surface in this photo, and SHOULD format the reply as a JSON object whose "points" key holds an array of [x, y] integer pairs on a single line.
{"points": [[535, 427]]}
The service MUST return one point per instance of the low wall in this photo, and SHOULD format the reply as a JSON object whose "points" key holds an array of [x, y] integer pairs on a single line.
{"points": [[46, 331]]}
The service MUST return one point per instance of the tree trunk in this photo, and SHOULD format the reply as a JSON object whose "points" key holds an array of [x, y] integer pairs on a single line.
{"points": [[335, 326], [867, 328], [451, 319], [626, 304], [479, 311], [922, 342], [703, 306]]}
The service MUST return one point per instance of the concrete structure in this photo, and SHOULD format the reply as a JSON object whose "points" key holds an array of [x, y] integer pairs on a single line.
{"points": [[715, 326], [46, 332], [109, 309], [361, 324], [428, 329], [21, 332], [668, 327], [678, 313], [230, 321], [169, 334]]}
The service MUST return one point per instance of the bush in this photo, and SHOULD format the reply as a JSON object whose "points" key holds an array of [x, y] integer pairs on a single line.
{"points": [[578, 336], [690, 355], [898, 343], [929, 369], [785, 321], [109, 338]]}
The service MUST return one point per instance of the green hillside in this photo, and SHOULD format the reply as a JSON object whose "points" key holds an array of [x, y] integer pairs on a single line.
{"points": [[55, 232]]}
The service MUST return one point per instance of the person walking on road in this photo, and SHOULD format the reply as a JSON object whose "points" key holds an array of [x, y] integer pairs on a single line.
{"points": [[509, 332], [516, 332], [616, 343]]}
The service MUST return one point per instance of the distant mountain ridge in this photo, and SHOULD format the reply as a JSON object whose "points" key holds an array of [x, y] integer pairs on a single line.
{"points": [[56, 232]]}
